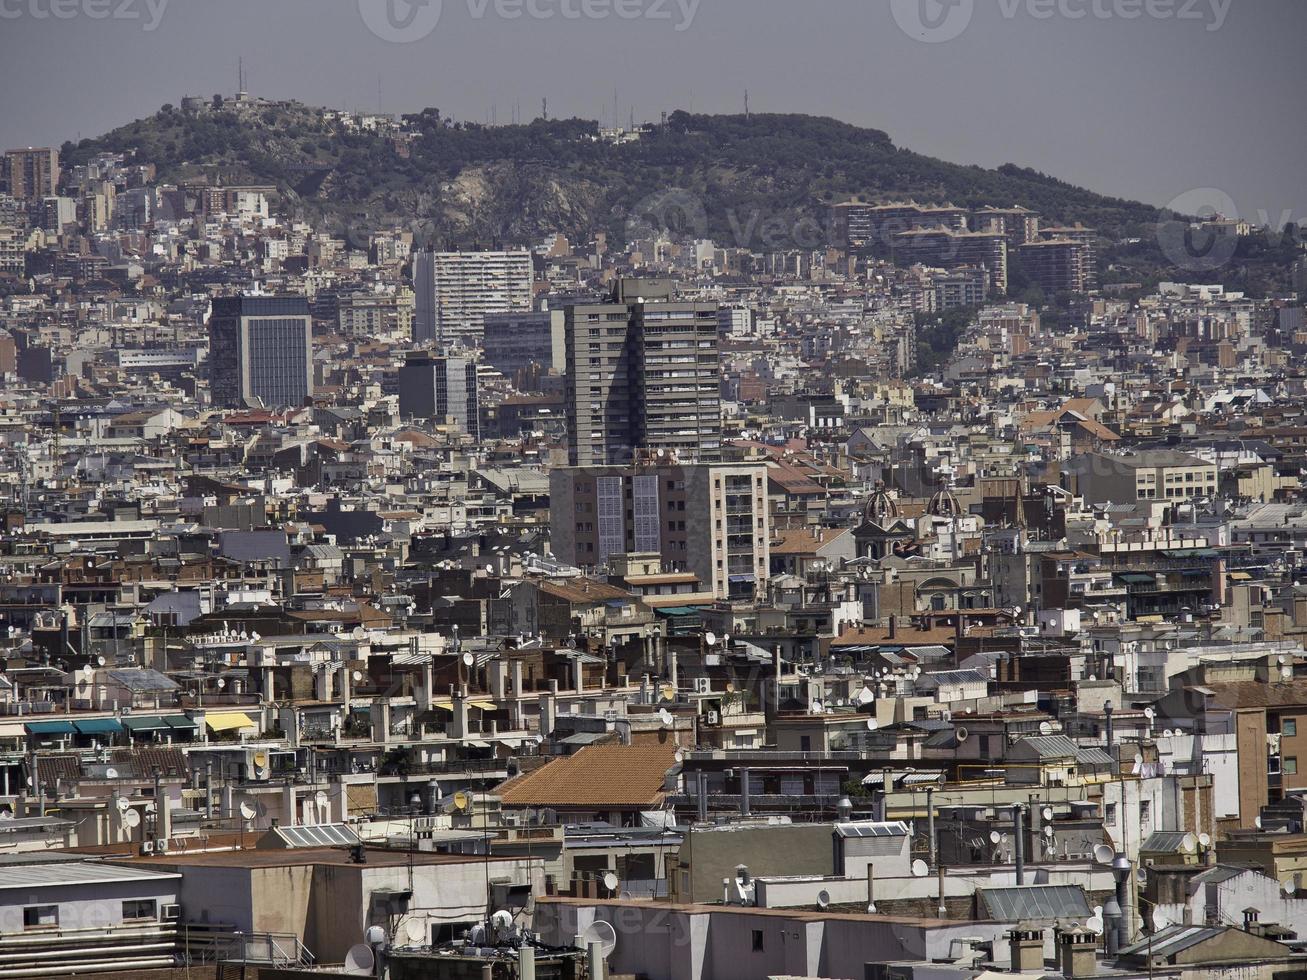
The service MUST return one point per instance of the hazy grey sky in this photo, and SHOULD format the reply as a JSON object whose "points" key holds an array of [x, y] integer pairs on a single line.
{"points": [[1139, 98]]}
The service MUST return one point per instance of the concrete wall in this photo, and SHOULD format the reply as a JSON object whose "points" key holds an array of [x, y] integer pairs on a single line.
{"points": [[87, 906], [694, 943], [713, 854]]}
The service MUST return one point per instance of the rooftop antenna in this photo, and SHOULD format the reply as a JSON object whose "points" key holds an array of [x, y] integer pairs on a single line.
{"points": [[746, 103], [544, 109]]}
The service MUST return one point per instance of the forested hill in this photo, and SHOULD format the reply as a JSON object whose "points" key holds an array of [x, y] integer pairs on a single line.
{"points": [[761, 181]]}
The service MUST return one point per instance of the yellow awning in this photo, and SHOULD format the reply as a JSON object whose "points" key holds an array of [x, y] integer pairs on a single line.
{"points": [[229, 721], [444, 704], [1240, 577]]}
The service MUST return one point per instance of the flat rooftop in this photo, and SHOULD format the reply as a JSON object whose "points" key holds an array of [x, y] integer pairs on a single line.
{"points": [[252, 857]]}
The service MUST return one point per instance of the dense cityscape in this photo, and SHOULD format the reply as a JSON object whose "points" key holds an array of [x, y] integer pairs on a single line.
{"points": [[733, 580]]}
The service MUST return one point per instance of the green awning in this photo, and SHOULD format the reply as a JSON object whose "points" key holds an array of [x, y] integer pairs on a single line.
{"points": [[138, 725], [99, 726], [181, 722], [48, 727], [1137, 578]]}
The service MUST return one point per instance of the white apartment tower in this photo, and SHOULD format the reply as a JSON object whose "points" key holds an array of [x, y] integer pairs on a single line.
{"points": [[455, 291]]}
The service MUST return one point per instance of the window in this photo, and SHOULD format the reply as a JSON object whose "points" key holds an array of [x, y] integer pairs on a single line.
{"points": [[1109, 813], [143, 908], [1289, 765], [40, 916], [1289, 727], [757, 940], [1145, 810]]}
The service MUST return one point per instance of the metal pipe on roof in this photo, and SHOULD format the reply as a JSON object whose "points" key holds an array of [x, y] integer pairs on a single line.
{"points": [[1019, 839]]}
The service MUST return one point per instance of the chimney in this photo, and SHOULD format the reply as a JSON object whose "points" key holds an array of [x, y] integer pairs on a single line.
{"points": [[1027, 945], [893, 627], [1077, 954]]}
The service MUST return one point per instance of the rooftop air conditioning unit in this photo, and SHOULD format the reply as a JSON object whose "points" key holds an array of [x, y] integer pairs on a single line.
{"points": [[702, 685]]}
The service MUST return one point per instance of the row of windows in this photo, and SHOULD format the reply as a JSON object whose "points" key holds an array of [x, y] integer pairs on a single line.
{"points": [[47, 916]]}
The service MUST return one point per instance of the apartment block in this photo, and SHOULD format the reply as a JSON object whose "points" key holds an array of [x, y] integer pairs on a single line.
{"points": [[454, 292], [442, 390], [1057, 265], [1155, 474], [945, 248], [642, 375], [515, 341], [709, 519], [32, 173], [260, 351], [861, 227]]}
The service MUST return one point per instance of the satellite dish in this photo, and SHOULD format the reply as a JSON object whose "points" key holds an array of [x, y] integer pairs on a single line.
{"points": [[1168, 733], [1258, 823], [357, 675], [1189, 843], [602, 933], [961, 734], [1205, 840], [222, 682], [1150, 714], [872, 724], [468, 659], [1290, 887], [995, 837], [1104, 854], [123, 804], [360, 960], [1049, 831], [111, 773], [611, 881], [415, 930], [261, 759], [1046, 813], [668, 692], [665, 717], [462, 800], [247, 811], [101, 661], [710, 638], [920, 868], [823, 898], [502, 921], [730, 688], [320, 798], [1095, 925], [132, 818], [679, 756], [375, 936], [1045, 728], [1160, 921]]}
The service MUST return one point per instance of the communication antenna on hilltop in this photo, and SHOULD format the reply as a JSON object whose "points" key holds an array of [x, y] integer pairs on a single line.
{"points": [[544, 109], [746, 103]]}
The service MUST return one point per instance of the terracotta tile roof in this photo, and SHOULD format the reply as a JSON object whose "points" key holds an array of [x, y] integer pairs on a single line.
{"points": [[906, 635], [596, 776], [1258, 694], [801, 541], [583, 591]]}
